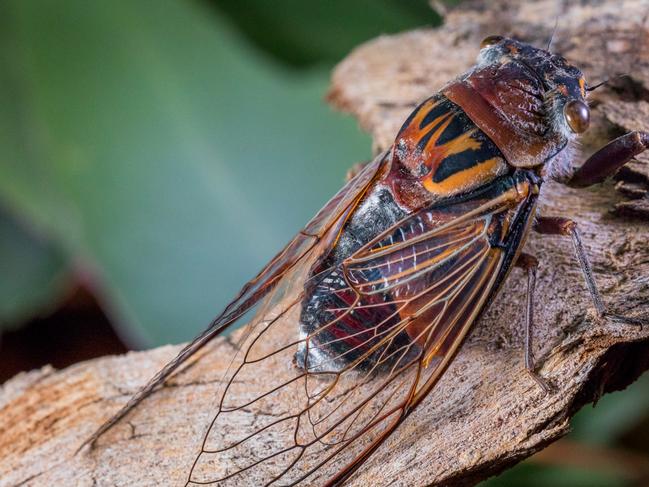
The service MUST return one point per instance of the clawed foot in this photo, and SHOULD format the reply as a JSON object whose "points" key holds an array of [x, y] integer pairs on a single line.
{"points": [[541, 382], [627, 320]]}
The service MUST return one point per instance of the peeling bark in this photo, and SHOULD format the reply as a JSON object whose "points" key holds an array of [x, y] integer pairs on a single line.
{"points": [[486, 414]]}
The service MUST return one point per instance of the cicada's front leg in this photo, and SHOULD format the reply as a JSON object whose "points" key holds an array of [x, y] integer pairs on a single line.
{"points": [[530, 264], [606, 161], [566, 227], [599, 166]]}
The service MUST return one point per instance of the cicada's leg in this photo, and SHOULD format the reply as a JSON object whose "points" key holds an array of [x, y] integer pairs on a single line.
{"points": [[551, 225], [566, 227], [609, 159], [529, 264]]}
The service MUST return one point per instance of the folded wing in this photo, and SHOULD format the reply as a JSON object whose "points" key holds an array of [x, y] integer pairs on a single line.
{"points": [[396, 312]]}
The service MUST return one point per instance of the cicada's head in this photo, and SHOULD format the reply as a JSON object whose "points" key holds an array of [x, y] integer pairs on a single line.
{"points": [[531, 102], [560, 85]]}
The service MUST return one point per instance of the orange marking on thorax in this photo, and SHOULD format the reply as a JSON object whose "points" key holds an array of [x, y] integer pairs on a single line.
{"points": [[433, 155], [476, 175], [421, 114]]}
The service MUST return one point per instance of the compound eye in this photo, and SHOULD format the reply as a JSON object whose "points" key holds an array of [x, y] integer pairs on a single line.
{"points": [[490, 41], [577, 115]]}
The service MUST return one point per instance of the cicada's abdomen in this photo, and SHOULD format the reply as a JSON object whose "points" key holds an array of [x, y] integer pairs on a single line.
{"points": [[345, 328], [439, 155]]}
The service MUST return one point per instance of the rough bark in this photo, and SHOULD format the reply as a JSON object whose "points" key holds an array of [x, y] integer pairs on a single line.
{"points": [[486, 414]]}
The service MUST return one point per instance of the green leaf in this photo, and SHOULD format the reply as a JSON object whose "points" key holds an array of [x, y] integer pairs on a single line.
{"points": [[33, 273], [166, 155]]}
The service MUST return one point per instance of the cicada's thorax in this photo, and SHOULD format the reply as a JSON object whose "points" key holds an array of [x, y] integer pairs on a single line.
{"points": [[440, 152]]}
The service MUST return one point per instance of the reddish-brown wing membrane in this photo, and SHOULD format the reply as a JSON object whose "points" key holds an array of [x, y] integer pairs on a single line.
{"points": [[320, 232], [415, 289]]}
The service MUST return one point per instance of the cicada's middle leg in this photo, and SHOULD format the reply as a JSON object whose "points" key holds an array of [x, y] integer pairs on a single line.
{"points": [[599, 166], [530, 264], [566, 227]]}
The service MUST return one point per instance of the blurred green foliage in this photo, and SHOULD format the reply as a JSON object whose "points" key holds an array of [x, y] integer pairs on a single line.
{"points": [[163, 155], [33, 272], [163, 151]]}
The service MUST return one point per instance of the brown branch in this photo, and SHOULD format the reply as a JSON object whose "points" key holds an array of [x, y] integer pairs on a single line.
{"points": [[486, 414]]}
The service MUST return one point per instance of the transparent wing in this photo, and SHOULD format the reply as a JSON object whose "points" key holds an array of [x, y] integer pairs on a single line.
{"points": [[320, 232], [391, 317]]}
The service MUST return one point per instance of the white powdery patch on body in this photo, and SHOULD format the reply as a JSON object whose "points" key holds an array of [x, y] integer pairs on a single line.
{"points": [[375, 214], [316, 359]]}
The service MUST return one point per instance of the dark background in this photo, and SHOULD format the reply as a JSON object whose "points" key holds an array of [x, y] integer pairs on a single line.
{"points": [[153, 156]]}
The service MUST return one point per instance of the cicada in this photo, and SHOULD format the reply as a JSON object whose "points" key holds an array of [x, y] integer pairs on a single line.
{"points": [[363, 311]]}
